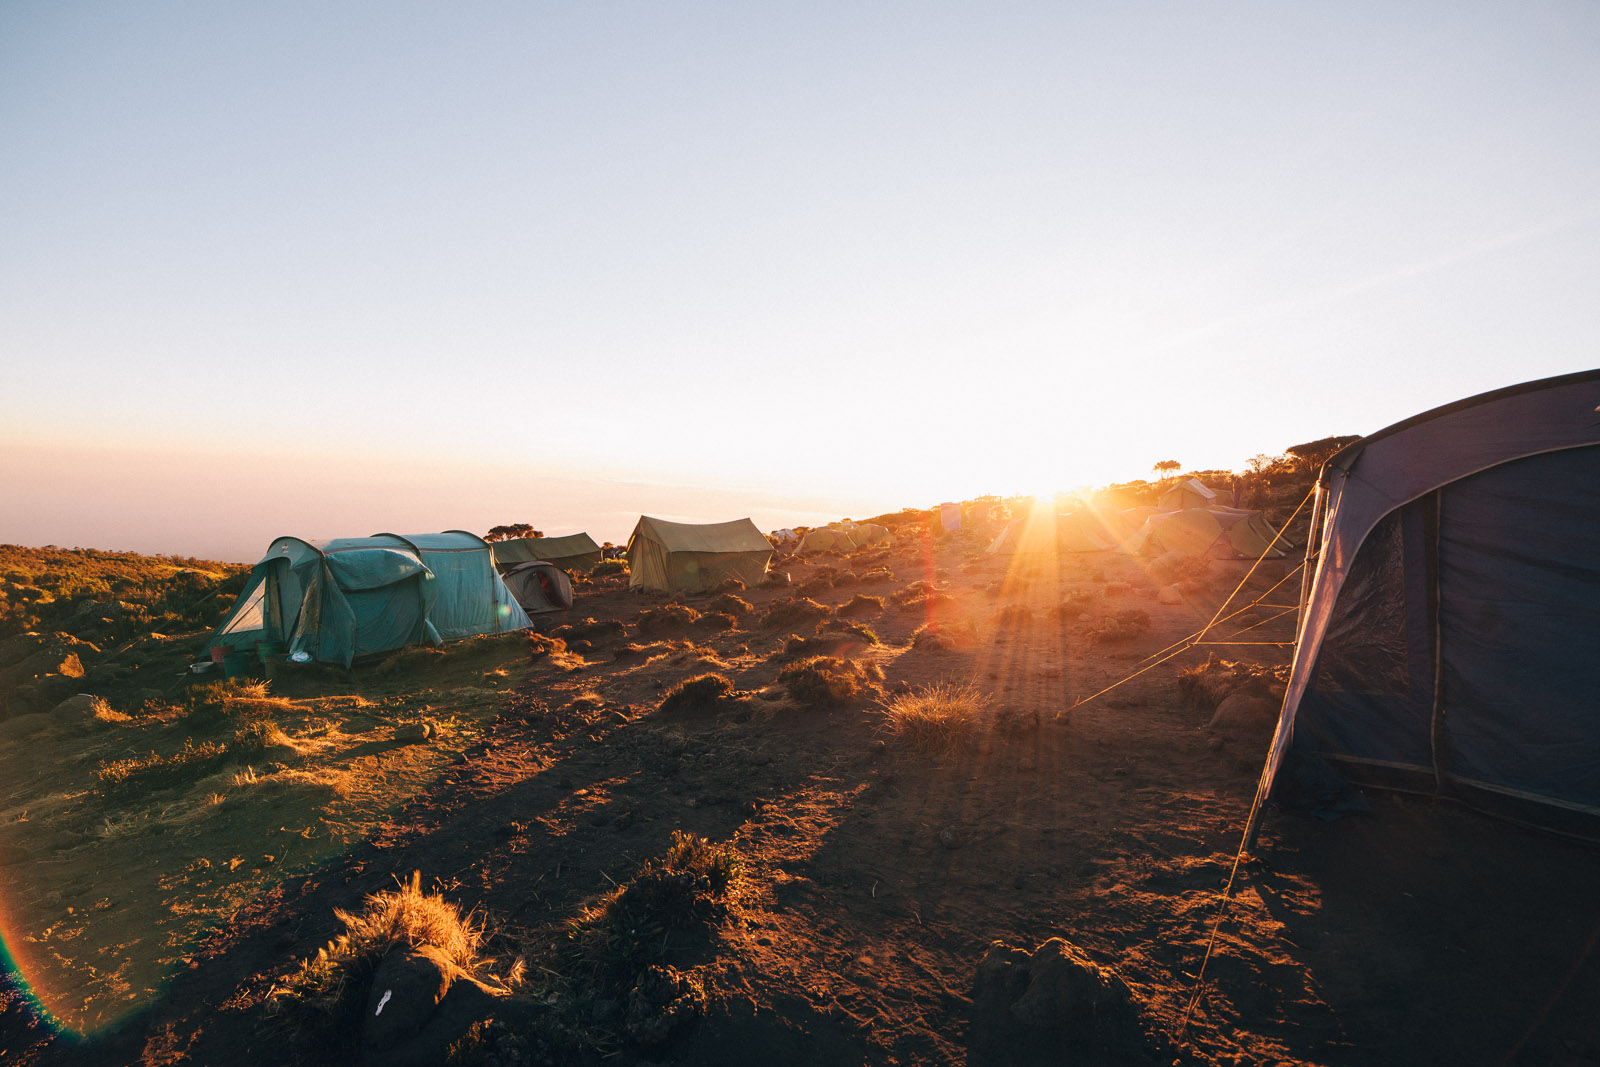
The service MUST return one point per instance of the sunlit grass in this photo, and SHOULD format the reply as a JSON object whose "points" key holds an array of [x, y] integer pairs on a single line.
{"points": [[938, 718]]}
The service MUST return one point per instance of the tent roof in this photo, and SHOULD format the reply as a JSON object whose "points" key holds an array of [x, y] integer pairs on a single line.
{"points": [[530, 549], [740, 535], [1195, 485], [449, 541]]}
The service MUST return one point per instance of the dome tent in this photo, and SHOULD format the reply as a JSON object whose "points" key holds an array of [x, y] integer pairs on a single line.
{"points": [[355, 596], [1189, 493], [1220, 533], [693, 557], [1448, 635], [539, 586]]}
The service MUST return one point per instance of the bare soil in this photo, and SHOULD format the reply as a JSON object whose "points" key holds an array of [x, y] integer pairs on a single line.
{"points": [[877, 875]]}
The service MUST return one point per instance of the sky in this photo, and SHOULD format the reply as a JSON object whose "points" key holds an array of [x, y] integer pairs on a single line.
{"points": [[334, 269]]}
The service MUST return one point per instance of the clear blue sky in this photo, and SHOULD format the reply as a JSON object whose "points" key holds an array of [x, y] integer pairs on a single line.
{"points": [[330, 269]]}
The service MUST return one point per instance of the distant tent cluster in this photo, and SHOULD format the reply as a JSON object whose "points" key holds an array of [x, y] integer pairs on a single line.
{"points": [[338, 600], [1189, 520], [844, 537]]}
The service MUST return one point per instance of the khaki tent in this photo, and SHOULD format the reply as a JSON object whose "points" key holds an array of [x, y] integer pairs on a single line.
{"points": [[1220, 533], [573, 552], [870, 533], [693, 556], [1189, 493], [1042, 532], [826, 539]]}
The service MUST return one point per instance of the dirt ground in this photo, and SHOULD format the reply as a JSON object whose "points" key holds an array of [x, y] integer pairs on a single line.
{"points": [[877, 876]]}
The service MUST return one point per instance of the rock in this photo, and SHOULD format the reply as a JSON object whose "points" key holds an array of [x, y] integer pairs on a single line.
{"points": [[1247, 712], [20, 726], [74, 709], [406, 987], [1169, 594], [414, 732]]}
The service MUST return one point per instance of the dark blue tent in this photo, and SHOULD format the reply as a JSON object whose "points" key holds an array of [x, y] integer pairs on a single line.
{"points": [[1450, 635]]}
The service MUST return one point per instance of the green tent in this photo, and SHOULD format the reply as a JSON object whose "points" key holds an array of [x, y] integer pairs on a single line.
{"points": [[571, 552], [695, 556], [354, 596]]}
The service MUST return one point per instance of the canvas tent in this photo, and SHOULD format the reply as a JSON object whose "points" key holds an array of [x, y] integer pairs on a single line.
{"points": [[354, 596], [1189, 493], [539, 587], [1217, 533], [695, 556], [844, 537], [572, 552], [1042, 532], [1448, 638]]}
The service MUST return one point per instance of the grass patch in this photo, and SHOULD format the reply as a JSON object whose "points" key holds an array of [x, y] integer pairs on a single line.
{"points": [[938, 718], [714, 622], [137, 774], [595, 630], [607, 567], [259, 736]]}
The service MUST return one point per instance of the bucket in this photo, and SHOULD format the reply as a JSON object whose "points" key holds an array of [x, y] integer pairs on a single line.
{"points": [[219, 651], [274, 663], [237, 664], [268, 648]]}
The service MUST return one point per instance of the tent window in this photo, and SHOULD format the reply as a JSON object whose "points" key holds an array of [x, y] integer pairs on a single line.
{"points": [[252, 615], [1365, 647]]}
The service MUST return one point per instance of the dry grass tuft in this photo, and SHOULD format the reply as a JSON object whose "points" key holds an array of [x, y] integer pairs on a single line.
{"points": [[799, 611], [729, 604], [1122, 625], [861, 604], [938, 718], [668, 618], [822, 681], [701, 691]]}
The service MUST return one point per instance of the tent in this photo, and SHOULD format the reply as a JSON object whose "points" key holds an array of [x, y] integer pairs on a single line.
{"points": [[870, 533], [573, 552], [1189, 493], [354, 596], [694, 557], [1043, 532], [1220, 533], [826, 539], [1449, 636], [539, 587]]}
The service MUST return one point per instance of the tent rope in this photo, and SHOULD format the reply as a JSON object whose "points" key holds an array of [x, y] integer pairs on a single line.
{"points": [[1233, 871]]}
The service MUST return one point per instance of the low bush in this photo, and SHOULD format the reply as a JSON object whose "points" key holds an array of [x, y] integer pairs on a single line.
{"points": [[937, 718], [668, 618], [938, 637], [860, 604], [730, 604], [729, 586], [915, 593], [607, 567], [686, 890], [854, 632], [795, 612], [595, 630], [1119, 625], [1076, 605], [697, 693], [714, 622], [822, 681]]}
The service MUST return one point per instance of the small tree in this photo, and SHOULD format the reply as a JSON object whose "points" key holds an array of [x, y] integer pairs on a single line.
{"points": [[511, 530], [1166, 467]]}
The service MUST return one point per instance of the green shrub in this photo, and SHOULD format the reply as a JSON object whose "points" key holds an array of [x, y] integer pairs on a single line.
{"points": [[608, 567]]}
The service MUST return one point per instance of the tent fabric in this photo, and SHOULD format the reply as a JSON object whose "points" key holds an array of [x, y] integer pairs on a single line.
{"points": [[1189, 493], [355, 596], [1046, 533], [694, 557], [1218, 533], [827, 539], [539, 587], [570, 552], [1447, 640]]}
